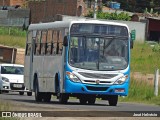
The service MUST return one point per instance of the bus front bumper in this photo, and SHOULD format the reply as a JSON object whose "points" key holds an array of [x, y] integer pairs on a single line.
{"points": [[96, 89]]}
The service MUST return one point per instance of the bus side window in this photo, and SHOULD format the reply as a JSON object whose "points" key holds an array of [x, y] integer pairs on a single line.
{"points": [[48, 49], [28, 49], [38, 43], [43, 48], [54, 44], [54, 48], [49, 42], [59, 43], [38, 48], [28, 44], [43, 42]]}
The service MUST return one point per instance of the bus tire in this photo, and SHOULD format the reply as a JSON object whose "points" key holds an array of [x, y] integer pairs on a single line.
{"points": [[38, 95], [6, 91], [57, 86], [113, 99], [91, 100], [82, 100], [29, 93], [47, 97], [63, 98], [21, 93]]}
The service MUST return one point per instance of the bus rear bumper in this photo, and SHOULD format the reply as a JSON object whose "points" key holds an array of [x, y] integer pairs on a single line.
{"points": [[71, 87]]}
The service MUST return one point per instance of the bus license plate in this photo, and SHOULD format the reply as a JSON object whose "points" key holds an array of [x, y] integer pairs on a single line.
{"points": [[17, 85]]}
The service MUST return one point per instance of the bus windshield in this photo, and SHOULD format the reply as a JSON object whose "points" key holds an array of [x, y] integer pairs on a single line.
{"points": [[98, 53]]}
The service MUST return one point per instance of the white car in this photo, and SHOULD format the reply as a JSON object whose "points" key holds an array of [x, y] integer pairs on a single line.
{"points": [[12, 79]]}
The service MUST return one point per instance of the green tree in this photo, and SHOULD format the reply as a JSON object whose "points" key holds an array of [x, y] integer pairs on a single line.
{"points": [[111, 16]]}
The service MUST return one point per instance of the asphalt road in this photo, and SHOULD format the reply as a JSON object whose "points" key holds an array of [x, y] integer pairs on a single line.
{"points": [[27, 103]]}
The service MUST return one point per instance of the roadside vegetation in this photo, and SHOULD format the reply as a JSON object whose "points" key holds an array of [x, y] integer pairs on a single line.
{"points": [[144, 59], [5, 106], [142, 92], [110, 16], [13, 37]]}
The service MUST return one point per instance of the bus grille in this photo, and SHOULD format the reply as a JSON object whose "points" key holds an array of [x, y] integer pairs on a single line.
{"points": [[98, 76], [93, 81], [97, 88]]}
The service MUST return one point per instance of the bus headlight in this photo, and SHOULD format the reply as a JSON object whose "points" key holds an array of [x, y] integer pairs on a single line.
{"points": [[121, 80], [72, 77], [5, 79]]}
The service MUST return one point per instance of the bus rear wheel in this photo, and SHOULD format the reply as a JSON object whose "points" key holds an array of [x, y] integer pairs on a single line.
{"points": [[63, 98], [38, 95], [47, 97], [113, 99]]}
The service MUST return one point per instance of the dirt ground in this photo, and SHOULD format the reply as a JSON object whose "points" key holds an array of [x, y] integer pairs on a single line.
{"points": [[20, 56]]}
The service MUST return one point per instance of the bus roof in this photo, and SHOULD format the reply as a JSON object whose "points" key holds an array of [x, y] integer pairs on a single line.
{"points": [[67, 24]]}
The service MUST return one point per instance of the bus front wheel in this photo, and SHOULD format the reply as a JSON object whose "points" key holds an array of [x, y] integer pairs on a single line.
{"points": [[91, 100], [113, 99], [83, 100], [63, 98]]}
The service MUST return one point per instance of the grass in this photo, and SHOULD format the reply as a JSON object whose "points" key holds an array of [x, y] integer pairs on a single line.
{"points": [[5, 106], [13, 31], [144, 58], [142, 92], [14, 41], [11, 36]]}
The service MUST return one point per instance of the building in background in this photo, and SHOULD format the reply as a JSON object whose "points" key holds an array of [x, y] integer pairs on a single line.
{"points": [[45, 10], [153, 29], [12, 2]]}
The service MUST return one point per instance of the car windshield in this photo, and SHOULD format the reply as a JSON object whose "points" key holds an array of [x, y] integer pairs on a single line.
{"points": [[99, 53], [12, 70]]}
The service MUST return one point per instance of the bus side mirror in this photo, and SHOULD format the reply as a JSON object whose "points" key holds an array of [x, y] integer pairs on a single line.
{"points": [[131, 44], [133, 37], [65, 41]]}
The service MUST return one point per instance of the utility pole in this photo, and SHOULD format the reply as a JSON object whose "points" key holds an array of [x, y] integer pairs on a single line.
{"points": [[95, 9], [156, 79]]}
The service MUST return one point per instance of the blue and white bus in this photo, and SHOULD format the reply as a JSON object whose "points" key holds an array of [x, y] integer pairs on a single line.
{"points": [[86, 59]]}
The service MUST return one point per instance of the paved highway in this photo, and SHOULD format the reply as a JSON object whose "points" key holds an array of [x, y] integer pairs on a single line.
{"points": [[27, 103]]}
